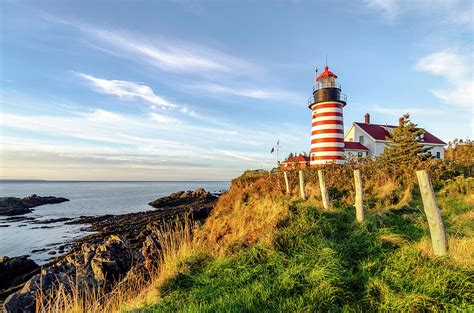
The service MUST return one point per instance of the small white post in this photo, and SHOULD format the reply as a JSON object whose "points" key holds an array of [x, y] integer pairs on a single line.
{"points": [[287, 183], [433, 214], [359, 204], [322, 187], [302, 185]]}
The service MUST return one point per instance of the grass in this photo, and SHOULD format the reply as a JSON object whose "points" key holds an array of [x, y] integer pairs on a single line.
{"points": [[262, 251], [324, 261]]}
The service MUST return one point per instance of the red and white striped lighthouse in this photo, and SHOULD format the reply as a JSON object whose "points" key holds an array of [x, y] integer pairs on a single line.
{"points": [[327, 129]]}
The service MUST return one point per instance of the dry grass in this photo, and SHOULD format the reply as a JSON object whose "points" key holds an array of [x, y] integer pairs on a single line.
{"points": [[460, 250], [139, 287], [243, 216]]}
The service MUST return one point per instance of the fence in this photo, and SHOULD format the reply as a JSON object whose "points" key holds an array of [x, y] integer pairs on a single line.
{"points": [[433, 214]]}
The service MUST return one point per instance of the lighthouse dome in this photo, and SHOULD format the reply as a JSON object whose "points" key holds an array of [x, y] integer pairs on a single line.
{"points": [[326, 74]]}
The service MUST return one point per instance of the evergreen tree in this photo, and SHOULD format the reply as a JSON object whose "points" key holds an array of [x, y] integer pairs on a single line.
{"points": [[404, 153]]}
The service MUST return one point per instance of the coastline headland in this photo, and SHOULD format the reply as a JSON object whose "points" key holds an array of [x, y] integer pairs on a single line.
{"points": [[118, 244]]}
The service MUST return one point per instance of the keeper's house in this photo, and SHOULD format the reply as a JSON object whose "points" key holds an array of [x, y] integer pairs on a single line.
{"points": [[365, 139]]}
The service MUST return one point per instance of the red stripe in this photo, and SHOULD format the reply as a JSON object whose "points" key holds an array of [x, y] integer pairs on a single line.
{"points": [[327, 105], [327, 114], [325, 149], [327, 140], [327, 131], [326, 122], [329, 157]]}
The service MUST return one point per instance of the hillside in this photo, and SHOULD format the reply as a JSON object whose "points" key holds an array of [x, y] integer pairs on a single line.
{"points": [[263, 251]]}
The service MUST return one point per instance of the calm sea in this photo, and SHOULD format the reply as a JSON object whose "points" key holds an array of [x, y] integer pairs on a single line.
{"points": [[87, 198]]}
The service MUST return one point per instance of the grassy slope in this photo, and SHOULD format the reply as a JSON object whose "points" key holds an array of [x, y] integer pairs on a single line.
{"points": [[306, 259]]}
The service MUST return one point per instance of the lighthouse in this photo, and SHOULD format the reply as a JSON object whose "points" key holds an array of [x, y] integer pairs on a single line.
{"points": [[327, 127]]}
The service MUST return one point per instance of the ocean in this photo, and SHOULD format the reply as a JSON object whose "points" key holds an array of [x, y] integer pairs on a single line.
{"points": [[86, 198]]}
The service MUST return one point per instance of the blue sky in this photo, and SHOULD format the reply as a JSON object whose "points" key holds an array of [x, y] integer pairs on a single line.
{"points": [[201, 90]]}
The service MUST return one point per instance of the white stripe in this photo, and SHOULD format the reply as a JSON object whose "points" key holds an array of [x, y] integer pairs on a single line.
{"points": [[318, 162], [327, 126], [327, 144], [325, 118], [326, 110], [328, 153], [329, 135]]}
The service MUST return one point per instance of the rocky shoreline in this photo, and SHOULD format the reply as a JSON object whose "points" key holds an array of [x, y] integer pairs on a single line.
{"points": [[101, 258], [10, 206]]}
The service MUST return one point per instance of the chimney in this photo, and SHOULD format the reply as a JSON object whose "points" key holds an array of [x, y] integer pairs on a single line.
{"points": [[367, 118]]}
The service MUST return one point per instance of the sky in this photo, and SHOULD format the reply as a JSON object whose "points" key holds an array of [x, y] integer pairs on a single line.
{"points": [[202, 90]]}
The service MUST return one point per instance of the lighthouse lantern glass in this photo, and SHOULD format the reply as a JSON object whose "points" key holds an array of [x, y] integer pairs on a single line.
{"points": [[328, 81]]}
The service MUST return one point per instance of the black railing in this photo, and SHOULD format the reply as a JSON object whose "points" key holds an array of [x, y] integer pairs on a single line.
{"points": [[341, 97]]}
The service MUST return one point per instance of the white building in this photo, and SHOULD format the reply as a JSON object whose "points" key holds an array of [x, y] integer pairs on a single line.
{"points": [[371, 139]]}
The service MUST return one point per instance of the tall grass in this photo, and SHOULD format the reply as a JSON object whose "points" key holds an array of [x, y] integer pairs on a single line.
{"points": [[136, 288]]}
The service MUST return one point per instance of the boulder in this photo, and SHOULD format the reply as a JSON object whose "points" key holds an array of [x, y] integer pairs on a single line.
{"points": [[112, 260], [13, 270]]}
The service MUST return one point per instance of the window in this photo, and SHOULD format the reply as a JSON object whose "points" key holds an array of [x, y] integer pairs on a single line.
{"points": [[438, 155], [361, 139], [360, 154]]}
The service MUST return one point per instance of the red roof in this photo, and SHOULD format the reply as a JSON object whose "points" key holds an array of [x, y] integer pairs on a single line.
{"points": [[379, 132], [326, 73], [297, 159], [351, 145]]}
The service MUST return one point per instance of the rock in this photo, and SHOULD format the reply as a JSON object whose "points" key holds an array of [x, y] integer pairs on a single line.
{"points": [[183, 198], [200, 192], [12, 268], [52, 252], [150, 251], [14, 272], [92, 265], [52, 220], [118, 244], [16, 206], [112, 259], [19, 218]]}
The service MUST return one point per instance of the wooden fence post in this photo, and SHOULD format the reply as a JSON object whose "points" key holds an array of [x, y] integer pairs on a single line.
{"points": [[287, 183], [359, 204], [302, 185], [322, 187], [433, 214]]}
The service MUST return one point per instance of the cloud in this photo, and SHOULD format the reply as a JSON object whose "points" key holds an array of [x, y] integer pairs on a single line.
{"points": [[127, 90], [166, 54], [237, 155], [163, 118], [102, 115], [455, 12], [411, 110], [455, 68], [447, 63], [259, 94], [388, 8]]}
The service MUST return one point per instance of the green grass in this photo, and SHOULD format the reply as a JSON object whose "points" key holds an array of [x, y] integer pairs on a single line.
{"points": [[324, 261]]}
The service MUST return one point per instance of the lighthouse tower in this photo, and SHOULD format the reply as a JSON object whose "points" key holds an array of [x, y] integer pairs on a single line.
{"points": [[327, 128]]}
